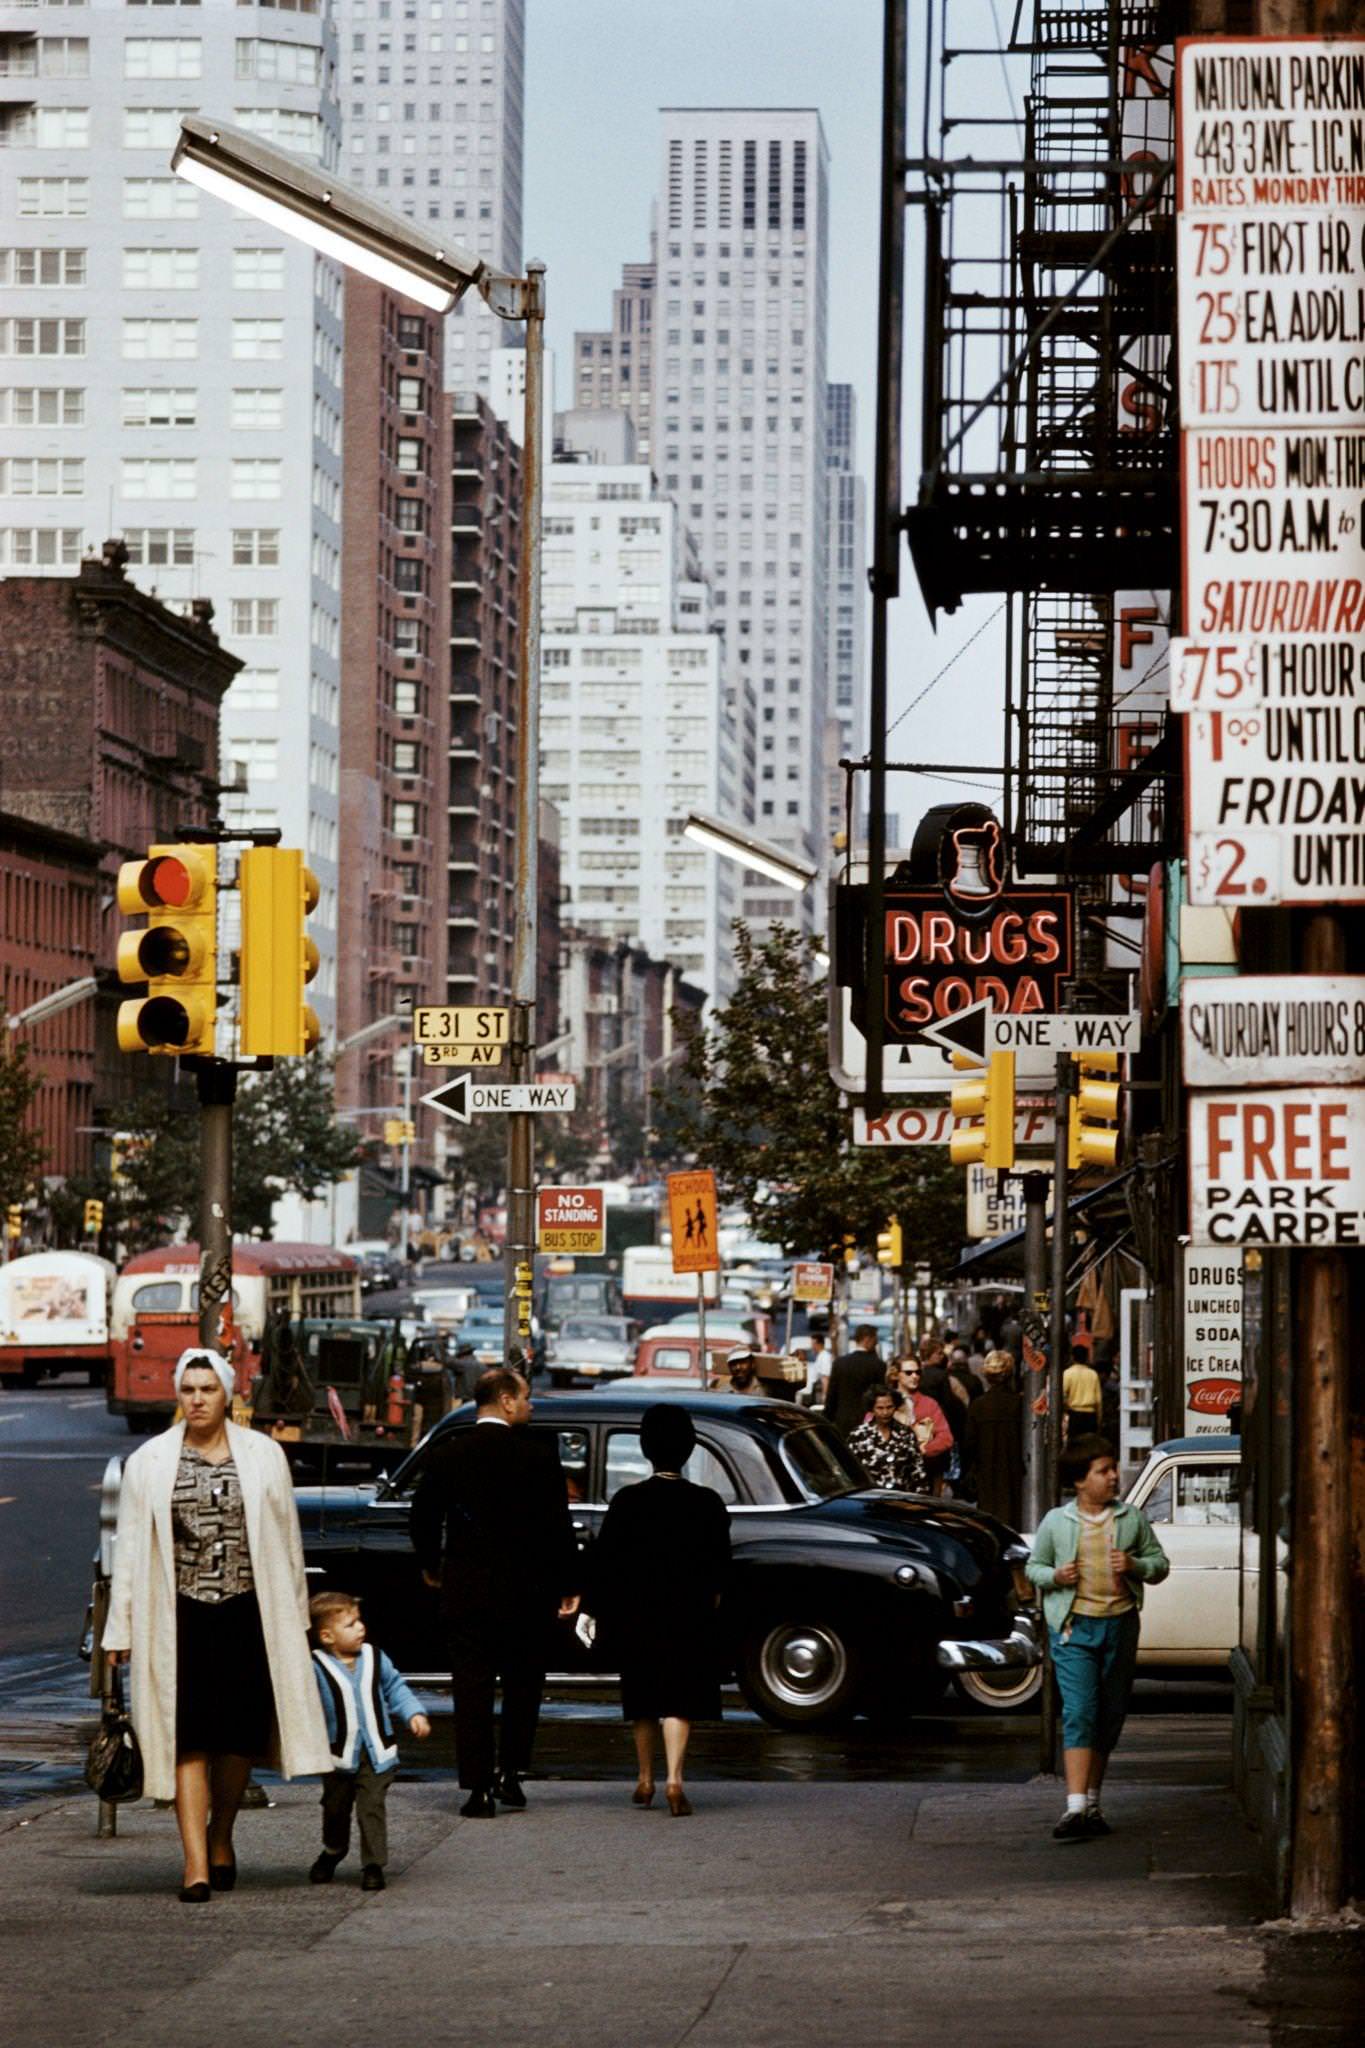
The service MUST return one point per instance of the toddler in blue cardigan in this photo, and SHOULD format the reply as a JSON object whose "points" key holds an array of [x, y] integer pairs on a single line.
{"points": [[364, 1700]]}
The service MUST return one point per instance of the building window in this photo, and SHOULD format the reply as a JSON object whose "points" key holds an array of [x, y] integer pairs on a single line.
{"points": [[255, 547], [42, 266], [175, 340], [412, 331], [175, 270], [410, 455], [152, 127], [256, 407], [256, 476], [261, 339], [254, 689], [40, 547], [42, 406], [42, 337], [258, 270], [158, 199], [158, 476], [289, 127], [253, 760], [410, 515], [412, 394], [160, 547], [29, 476], [162, 57], [60, 198], [409, 574], [403, 820], [29, 127], [257, 617], [153, 408], [286, 63]]}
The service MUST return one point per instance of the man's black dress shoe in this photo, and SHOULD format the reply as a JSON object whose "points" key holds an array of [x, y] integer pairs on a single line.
{"points": [[480, 1805], [508, 1791]]}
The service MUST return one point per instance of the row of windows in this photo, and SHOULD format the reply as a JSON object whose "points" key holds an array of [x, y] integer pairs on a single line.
{"points": [[144, 269], [30, 127], [171, 339], [45, 476]]}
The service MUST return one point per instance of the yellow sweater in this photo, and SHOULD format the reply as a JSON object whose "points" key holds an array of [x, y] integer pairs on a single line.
{"points": [[1097, 1590]]}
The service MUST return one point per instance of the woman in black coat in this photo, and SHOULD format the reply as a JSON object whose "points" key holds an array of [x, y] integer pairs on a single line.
{"points": [[658, 1567]]}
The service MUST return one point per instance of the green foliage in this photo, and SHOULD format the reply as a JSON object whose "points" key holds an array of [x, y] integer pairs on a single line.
{"points": [[285, 1139], [765, 1115], [22, 1153]]}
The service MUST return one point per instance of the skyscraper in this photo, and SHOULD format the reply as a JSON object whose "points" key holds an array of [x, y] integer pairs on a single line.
{"points": [[614, 369], [432, 95], [170, 370], [847, 598], [739, 425]]}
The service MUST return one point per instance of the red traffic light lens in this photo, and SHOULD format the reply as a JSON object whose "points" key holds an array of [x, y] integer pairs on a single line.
{"points": [[167, 880]]}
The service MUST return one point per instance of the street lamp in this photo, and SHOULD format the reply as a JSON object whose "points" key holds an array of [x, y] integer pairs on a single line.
{"points": [[304, 201], [749, 850]]}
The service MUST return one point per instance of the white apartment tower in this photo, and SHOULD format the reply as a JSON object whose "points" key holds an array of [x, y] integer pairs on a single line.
{"points": [[170, 369], [848, 597], [635, 729], [432, 98], [738, 431]]}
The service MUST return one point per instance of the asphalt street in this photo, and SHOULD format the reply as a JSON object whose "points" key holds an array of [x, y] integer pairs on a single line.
{"points": [[55, 1441]]}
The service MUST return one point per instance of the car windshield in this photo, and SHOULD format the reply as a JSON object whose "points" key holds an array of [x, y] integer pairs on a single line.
{"points": [[592, 1330], [821, 1462]]}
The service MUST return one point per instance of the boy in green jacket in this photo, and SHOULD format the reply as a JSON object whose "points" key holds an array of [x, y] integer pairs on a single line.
{"points": [[1090, 1560]]}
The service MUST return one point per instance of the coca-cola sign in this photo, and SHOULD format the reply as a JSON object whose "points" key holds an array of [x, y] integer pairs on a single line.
{"points": [[1212, 1397]]}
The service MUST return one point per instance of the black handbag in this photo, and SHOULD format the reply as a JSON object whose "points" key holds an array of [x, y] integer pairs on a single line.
{"points": [[113, 1767]]}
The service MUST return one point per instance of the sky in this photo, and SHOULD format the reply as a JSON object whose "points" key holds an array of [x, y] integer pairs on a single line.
{"points": [[597, 73]]}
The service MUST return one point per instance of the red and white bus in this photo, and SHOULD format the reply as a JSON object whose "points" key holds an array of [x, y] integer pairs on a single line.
{"points": [[156, 1314]]}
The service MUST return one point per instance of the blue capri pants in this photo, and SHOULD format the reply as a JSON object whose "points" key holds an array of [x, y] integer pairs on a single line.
{"points": [[1095, 1658]]}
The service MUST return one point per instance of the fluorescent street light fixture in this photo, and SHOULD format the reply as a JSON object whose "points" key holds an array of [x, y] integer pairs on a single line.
{"points": [[296, 196], [750, 851]]}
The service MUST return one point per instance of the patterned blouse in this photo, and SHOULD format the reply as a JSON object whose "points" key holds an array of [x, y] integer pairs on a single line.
{"points": [[212, 1561], [894, 1463]]}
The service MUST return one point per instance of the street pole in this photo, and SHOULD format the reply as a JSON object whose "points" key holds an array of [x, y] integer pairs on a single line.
{"points": [[1056, 1363], [519, 1245], [216, 1085], [701, 1330], [1036, 1501], [406, 1180]]}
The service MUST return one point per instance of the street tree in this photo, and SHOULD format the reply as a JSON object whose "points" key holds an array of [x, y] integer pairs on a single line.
{"points": [[760, 1109], [22, 1152]]}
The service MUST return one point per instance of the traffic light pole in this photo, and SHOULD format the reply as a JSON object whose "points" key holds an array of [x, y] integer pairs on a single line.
{"points": [[1036, 1499], [216, 1083], [1056, 1365], [520, 1242]]}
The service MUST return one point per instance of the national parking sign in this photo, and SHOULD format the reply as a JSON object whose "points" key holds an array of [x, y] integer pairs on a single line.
{"points": [[571, 1220]]}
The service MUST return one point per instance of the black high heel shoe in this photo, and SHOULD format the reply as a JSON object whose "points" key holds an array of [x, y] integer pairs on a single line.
{"points": [[223, 1876], [195, 1895]]}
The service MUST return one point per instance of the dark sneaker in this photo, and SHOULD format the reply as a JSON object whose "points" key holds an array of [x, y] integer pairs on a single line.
{"points": [[1097, 1823], [325, 1869], [372, 1878], [509, 1792], [480, 1806], [1072, 1827]]}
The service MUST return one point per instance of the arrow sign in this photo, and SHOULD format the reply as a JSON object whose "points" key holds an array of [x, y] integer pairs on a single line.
{"points": [[463, 1098], [964, 1031]]}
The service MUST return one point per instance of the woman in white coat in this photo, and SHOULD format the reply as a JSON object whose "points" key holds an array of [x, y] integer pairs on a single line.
{"points": [[210, 1599]]}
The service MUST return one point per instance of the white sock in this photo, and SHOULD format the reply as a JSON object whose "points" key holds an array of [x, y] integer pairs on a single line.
{"points": [[1092, 1802], [1075, 1802]]}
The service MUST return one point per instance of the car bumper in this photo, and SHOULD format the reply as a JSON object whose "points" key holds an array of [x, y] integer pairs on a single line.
{"points": [[1017, 1651]]}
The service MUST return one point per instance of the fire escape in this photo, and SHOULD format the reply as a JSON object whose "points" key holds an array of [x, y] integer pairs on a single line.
{"points": [[1048, 467]]}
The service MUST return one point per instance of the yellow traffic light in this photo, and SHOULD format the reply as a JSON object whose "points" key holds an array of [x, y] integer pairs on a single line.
{"points": [[176, 953], [397, 1132], [94, 1216], [1093, 1134], [850, 1252], [277, 957], [890, 1246], [14, 1220], [987, 1101]]}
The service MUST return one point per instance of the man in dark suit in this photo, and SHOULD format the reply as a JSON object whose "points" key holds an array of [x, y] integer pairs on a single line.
{"points": [[853, 1378], [491, 1528]]}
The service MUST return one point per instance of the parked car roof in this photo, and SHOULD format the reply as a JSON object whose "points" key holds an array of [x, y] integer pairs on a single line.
{"points": [[1197, 1443]]}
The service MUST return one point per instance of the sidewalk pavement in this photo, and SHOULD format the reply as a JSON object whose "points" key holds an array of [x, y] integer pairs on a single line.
{"points": [[805, 1915]]}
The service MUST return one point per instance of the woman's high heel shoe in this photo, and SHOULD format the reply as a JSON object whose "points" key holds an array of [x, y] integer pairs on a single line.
{"points": [[223, 1876], [679, 1805], [643, 1795], [195, 1894]]}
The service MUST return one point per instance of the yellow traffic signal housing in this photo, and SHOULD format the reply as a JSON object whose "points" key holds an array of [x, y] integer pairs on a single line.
{"points": [[176, 954], [14, 1220], [277, 957], [1093, 1134], [94, 1216], [988, 1102], [891, 1246]]}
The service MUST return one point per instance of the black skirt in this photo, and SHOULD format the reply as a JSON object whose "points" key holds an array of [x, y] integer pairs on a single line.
{"points": [[224, 1705]]}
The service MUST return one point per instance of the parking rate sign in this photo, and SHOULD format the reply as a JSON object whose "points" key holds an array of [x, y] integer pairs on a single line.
{"points": [[1285, 1166], [571, 1220], [692, 1220]]}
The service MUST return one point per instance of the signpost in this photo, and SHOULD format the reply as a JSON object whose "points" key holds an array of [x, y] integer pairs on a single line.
{"points": [[812, 1281], [1212, 1330], [934, 1124], [1273, 1030], [1278, 1167], [463, 1098], [692, 1223], [571, 1220]]}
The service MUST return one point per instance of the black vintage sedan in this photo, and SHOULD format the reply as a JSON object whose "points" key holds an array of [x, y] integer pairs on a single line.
{"points": [[840, 1596]]}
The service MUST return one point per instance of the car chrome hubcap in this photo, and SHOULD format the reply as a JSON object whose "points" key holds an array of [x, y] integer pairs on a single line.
{"points": [[803, 1665]]}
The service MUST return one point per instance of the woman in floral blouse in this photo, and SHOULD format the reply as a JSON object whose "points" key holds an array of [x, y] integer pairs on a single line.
{"points": [[888, 1451]]}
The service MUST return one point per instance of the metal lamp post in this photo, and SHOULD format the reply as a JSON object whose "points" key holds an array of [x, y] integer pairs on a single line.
{"points": [[303, 200]]}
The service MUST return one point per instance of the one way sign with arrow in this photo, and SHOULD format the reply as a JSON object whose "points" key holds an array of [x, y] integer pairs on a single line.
{"points": [[463, 1098], [981, 1030]]}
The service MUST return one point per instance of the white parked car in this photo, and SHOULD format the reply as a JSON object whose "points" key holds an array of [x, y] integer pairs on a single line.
{"points": [[1188, 1490]]}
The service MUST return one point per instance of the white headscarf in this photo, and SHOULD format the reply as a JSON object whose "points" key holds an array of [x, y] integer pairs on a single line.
{"points": [[200, 1355]]}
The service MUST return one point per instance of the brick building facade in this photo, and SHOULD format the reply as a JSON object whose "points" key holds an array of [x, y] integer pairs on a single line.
{"points": [[395, 609], [109, 720]]}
